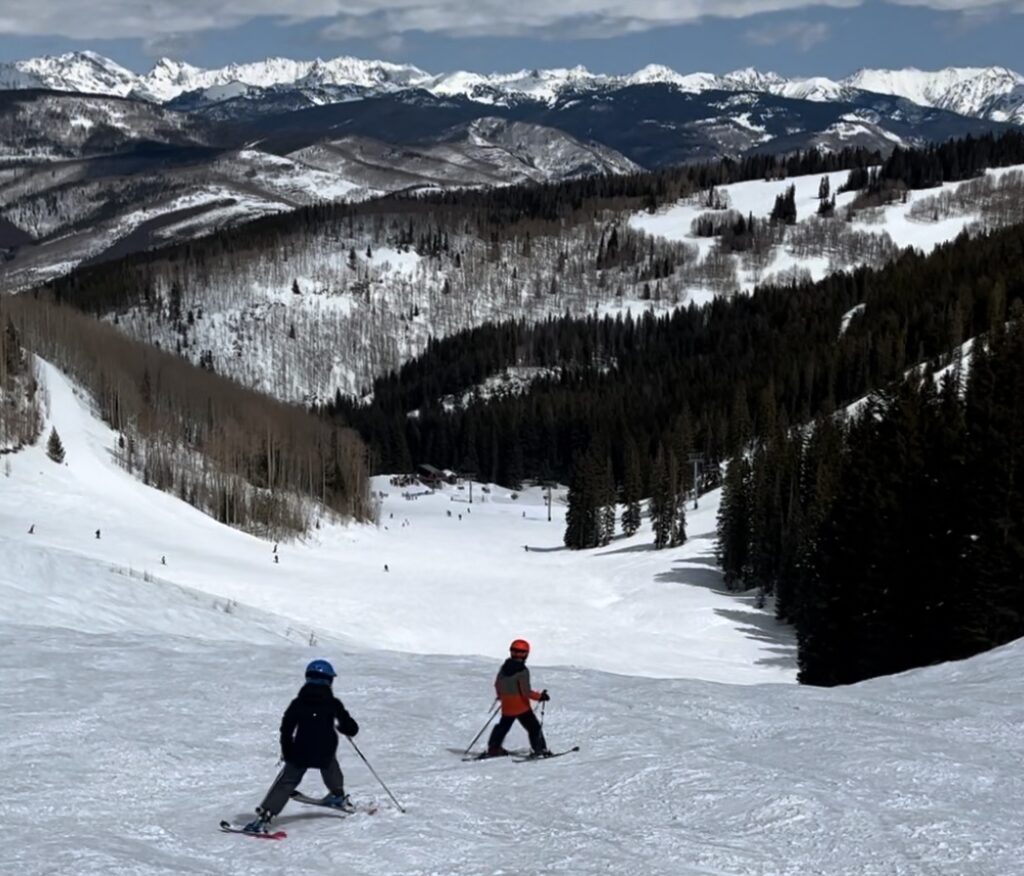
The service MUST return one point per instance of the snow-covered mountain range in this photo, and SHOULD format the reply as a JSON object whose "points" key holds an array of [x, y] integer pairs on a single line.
{"points": [[96, 161], [994, 93]]}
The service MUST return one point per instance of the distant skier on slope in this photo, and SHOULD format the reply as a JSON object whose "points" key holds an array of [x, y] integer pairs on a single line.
{"points": [[309, 740], [512, 686]]}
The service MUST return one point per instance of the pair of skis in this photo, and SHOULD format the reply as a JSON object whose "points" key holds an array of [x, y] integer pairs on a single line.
{"points": [[372, 808], [299, 797], [520, 756]]}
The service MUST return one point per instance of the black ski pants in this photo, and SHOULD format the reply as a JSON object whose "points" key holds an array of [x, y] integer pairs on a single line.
{"points": [[530, 723], [288, 780]]}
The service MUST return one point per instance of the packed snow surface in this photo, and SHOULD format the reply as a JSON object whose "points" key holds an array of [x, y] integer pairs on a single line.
{"points": [[140, 702]]}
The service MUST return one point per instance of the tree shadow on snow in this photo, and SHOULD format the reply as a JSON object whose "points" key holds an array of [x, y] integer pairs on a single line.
{"points": [[697, 573], [703, 560], [632, 549], [763, 627], [752, 622]]}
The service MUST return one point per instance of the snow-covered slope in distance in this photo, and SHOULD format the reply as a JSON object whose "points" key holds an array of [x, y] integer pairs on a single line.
{"points": [[893, 222], [458, 584], [140, 713], [68, 206], [368, 303]]}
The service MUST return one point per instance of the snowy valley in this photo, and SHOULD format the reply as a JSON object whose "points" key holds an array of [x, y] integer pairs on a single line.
{"points": [[709, 386]]}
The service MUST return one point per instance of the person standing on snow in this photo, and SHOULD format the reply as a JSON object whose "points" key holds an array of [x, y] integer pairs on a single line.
{"points": [[309, 740], [512, 686]]}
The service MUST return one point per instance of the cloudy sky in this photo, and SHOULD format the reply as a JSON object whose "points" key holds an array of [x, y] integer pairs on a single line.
{"points": [[790, 36]]}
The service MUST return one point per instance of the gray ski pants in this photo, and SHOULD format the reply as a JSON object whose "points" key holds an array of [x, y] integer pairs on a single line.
{"points": [[288, 780]]}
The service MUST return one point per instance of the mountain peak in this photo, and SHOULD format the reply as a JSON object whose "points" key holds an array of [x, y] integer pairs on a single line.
{"points": [[660, 74], [970, 91], [85, 71]]}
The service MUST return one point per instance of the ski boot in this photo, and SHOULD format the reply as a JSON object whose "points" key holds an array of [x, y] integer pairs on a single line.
{"points": [[260, 824], [339, 801], [497, 751]]}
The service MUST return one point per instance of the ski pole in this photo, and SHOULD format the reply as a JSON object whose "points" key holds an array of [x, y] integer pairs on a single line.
{"points": [[401, 808], [490, 718], [542, 707]]}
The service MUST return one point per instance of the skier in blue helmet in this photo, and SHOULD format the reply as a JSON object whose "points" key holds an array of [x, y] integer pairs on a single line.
{"points": [[309, 740]]}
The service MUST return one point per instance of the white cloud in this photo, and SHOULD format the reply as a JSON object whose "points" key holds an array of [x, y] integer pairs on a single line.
{"points": [[392, 45], [169, 45], [383, 18], [803, 34]]}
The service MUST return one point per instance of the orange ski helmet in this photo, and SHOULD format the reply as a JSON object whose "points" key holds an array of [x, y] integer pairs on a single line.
{"points": [[519, 648]]}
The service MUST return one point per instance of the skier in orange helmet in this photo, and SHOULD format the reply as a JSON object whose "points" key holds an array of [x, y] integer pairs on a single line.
{"points": [[512, 685]]}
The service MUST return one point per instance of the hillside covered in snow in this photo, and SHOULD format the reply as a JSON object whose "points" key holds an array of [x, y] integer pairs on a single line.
{"points": [[697, 755], [347, 298]]}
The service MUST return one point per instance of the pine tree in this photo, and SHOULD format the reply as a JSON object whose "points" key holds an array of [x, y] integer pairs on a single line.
{"points": [[734, 522], [175, 299], [583, 518], [817, 479], [784, 210], [664, 495], [609, 500], [679, 523], [632, 489], [54, 447]]}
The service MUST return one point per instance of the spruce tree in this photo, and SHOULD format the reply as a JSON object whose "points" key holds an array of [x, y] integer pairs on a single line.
{"points": [[583, 522], [664, 496], [609, 501], [679, 523], [54, 447], [734, 522], [632, 489], [784, 210]]}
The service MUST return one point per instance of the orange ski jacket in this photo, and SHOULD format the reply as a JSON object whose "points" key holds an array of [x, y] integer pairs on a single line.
{"points": [[512, 685]]}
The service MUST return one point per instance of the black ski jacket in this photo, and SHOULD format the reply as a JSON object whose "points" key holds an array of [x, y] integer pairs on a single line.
{"points": [[308, 735]]}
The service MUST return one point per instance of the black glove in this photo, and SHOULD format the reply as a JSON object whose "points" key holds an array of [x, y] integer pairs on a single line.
{"points": [[544, 696]]}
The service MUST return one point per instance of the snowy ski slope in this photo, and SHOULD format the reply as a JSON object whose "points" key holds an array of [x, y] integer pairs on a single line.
{"points": [[453, 586], [140, 703]]}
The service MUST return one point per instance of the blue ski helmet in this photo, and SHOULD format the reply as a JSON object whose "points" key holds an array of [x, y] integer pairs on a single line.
{"points": [[320, 672]]}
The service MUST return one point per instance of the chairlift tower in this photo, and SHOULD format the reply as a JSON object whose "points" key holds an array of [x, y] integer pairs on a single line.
{"points": [[469, 475], [548, 485]]}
